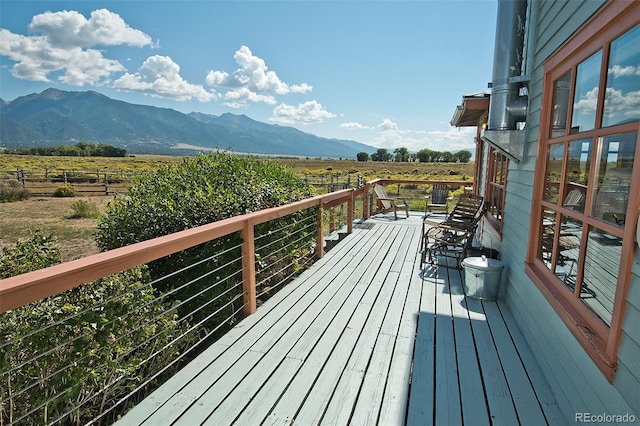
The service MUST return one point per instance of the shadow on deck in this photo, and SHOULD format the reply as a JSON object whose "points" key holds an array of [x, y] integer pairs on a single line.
{"points": [[363, 337]]}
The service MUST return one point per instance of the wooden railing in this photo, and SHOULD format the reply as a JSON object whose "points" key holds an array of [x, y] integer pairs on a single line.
{"points": [[33, 286], [21, 290]]}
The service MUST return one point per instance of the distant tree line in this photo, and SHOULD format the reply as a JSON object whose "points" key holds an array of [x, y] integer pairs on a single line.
{"points": [[424, 156], [81, 149]]}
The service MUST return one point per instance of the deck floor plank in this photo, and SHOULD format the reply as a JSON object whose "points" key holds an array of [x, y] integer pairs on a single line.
{"points": [[295, 346], [312, 371], [500, 404], [472, 399], [350, 354], [524, 398], [396, 392], [365, 336], [206, 380]]}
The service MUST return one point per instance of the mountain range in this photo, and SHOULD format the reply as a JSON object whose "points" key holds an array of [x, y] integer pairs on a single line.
{"points": [[56, 117]]}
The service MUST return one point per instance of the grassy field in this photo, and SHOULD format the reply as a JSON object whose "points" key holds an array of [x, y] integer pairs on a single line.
{"points": [[74, 237]]}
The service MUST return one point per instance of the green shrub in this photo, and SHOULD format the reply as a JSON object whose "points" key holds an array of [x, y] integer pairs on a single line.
{"points": [[36, 253], [198, 191], [65, 190], [82, 349], [84, 209], [12, 190]]}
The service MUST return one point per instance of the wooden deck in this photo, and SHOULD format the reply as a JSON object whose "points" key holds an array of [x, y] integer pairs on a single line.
{"points": [[363, 337]]}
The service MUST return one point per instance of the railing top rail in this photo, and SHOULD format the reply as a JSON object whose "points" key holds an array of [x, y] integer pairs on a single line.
{"points": [[422, 182], [26, 288]]}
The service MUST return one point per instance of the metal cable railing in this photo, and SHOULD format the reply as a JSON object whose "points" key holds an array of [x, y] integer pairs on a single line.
{"points": [[165, 331], [86, 354]]}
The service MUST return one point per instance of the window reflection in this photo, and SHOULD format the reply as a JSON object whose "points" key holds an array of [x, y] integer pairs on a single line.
{"points": [[585, 98], [615, 165], [554, 172], [547, 238], [578, 162], [561, 89], [569, 251], [601, 266], [622, 97]]}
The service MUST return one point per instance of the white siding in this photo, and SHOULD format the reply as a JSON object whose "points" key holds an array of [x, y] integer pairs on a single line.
{"points": [[577, 383]]}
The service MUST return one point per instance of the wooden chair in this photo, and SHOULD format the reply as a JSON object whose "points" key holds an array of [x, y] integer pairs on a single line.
{"points": [[438, 200], [454, 236], [574, 199], [389, 203]]}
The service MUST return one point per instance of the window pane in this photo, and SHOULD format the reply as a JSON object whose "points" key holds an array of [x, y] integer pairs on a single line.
{"points": [[578, 162], [615, 165], [585, 98], [554, 172], [601, 267], [622, 98], [561, 89], [496, 207]]}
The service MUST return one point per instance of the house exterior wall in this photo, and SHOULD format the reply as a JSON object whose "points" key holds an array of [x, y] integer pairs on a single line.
{"points": [[577, 383]]}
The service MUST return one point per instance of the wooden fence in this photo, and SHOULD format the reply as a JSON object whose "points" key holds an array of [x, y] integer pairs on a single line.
{"points": [[98, 182]]}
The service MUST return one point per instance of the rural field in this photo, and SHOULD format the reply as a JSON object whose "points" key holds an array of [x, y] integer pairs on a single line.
{"points": [[74, 236]]}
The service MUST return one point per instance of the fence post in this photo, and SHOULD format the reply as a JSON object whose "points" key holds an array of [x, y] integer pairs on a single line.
{"points": [[319, 235], [248, 269], [106, 184], [24, 182], [64, 176]]}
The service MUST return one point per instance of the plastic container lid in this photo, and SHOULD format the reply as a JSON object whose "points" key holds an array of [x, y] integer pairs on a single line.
{"points": [[482, 263]]}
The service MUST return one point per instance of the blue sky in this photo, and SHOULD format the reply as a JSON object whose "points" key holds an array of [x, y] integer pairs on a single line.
{"points": [[385, 73]]}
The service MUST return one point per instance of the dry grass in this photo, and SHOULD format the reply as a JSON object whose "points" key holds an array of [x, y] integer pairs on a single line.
{"points": [[74, 237]]}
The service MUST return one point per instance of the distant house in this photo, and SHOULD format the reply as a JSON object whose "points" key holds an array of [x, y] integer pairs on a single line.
{"points": [[559, 164]]}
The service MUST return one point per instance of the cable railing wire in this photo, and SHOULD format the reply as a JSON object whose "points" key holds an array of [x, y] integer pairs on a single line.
{"points": [[103, 304], [187, 319]]}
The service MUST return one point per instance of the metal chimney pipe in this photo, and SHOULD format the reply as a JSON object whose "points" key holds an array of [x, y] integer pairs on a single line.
{"points": [[507, 107]]}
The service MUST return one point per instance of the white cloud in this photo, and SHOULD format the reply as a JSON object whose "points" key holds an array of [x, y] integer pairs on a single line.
{"points": [[305, 113], [160, 77], [252, 81], [620, 106], [588, 103], [62, 44], [618, 71], [452, 139], [71, 29], [353, 125], [243, 93], [36, 58], [388, 125]]}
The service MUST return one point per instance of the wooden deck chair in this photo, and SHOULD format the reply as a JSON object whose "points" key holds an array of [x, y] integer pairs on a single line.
{"points": [[454, 236], [389, 203], [438, 200], [574, 199]]}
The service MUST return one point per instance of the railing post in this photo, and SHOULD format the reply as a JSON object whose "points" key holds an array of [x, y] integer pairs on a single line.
{"points": [[319, 235], [365, 202], [332, 220], [350, 213], [248, 268]]}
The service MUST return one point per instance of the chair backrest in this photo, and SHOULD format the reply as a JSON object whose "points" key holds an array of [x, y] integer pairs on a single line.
{"points": [[574, 198], [381, 193], [439, 194], [467, 212]]}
